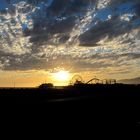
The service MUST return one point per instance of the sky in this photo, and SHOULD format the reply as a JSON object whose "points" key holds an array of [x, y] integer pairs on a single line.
{"points": [[87, 37]]}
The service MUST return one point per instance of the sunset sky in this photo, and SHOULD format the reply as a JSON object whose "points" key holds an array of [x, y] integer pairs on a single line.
{"points": [[39, 38]]}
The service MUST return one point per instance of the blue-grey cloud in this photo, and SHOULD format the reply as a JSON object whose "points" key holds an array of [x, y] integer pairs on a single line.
{"points": [[41, 34]]}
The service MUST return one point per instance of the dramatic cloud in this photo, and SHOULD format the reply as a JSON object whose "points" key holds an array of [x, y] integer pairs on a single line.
{"points": [[79, 34]]}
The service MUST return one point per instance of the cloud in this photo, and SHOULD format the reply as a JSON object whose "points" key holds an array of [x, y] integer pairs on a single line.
{"points": [[12, 25], [78, 34]]}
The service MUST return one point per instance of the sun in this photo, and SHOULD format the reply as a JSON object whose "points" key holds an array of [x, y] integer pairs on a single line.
{"points": [[61, 75]]}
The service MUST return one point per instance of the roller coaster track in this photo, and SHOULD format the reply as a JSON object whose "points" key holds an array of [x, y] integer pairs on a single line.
{"points": [[78, 80]]}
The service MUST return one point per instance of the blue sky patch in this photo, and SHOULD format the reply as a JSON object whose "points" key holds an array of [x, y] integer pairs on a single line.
{"points": [[125, 8], [103, 14]]}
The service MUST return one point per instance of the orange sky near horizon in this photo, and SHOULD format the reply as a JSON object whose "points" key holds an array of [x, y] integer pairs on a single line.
{"points": [[35, 78], [86, 37]]}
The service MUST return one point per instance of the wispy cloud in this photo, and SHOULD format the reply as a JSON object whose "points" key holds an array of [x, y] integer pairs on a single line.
{"points": [[85, 35]]}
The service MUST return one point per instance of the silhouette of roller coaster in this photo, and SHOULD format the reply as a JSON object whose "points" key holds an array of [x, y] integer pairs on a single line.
{"points": [[77, 79], [94, 81]]}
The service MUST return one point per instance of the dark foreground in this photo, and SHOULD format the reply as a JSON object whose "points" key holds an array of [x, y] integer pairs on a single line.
{"points": [[98, 105]]}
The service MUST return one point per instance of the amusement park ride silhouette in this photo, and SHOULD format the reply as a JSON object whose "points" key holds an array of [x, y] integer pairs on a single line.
{"points": [[77, 79]]}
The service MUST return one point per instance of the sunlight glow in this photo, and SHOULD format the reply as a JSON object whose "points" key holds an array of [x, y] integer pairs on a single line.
{"points": [[61, 76]]}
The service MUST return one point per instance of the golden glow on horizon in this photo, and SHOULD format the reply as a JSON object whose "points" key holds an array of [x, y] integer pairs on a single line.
{"points": [[61, 76]]}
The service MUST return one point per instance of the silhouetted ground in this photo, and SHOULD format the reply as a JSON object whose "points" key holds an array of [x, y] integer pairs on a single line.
{"points": [[101, 105]]}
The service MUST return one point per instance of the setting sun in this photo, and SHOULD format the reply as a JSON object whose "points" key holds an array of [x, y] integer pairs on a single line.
{"points": [[61, 75]]}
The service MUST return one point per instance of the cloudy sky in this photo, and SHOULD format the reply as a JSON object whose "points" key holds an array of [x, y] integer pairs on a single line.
{"points": [[88, 37]]}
